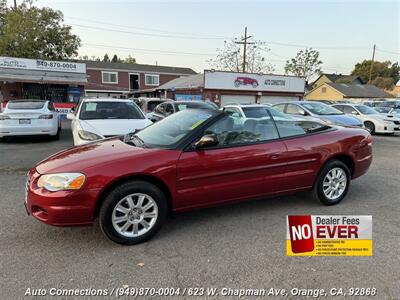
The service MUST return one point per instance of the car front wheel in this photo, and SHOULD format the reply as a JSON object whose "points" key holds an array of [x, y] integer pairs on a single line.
{"points": [[332, 183], [133, 212]]}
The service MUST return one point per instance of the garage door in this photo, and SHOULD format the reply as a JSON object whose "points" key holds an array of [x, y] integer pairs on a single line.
{"points": [[277, 99], [235, 99]]}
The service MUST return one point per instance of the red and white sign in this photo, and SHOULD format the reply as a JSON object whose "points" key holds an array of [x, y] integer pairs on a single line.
{"points": [[63, 109], [221, 80]]}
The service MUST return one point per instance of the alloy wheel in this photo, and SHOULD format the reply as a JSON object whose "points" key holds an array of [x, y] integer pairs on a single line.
{"points": [[335, 183], [134, 215]]}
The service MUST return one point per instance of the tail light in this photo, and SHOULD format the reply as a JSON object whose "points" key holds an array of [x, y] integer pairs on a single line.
{"points": [[369, 140], [46, 117], [4, 117]]}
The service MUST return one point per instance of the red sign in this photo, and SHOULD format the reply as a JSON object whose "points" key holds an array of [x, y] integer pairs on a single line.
{"points": [[301, 234]]}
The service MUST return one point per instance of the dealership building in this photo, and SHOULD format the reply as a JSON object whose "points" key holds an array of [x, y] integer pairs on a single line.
{"points": [[61, 82], [230, 87]]}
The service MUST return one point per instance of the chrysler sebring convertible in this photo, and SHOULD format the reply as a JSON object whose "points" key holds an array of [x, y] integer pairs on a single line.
{"points": [[193, 159]]}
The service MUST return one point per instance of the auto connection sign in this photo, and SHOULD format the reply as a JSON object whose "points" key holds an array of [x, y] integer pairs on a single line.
{"points": [[220, 80]]}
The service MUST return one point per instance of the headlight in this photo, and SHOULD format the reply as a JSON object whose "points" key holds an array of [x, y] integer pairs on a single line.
{"points": [[88, 136], [61, 181]]}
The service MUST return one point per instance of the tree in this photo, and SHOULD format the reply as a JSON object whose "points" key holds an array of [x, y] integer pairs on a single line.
{"points": [[380, 72], [33, 32], [305, 64], [116, 59], [230, 58], [106, 58], [130, 60]]}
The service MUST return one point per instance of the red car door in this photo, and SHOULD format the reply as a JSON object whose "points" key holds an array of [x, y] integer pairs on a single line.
{"points": [[249, 162]]}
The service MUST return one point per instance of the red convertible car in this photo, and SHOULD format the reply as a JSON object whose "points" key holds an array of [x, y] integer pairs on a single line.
{"points": [[193, 159]]}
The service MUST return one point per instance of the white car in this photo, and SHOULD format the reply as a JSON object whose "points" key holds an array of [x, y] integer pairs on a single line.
{"points": [[29, 117], [373, 120], [96, 119]]}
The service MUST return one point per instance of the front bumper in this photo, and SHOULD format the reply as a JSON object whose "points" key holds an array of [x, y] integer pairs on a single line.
{"points": [[63, 208]]}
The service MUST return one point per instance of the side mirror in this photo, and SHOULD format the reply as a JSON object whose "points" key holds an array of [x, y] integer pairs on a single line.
{"points": [[70, 116], [354, 112], [208, 140]]}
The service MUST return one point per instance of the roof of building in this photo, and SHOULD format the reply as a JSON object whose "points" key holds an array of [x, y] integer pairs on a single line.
{"points": [[341, 77], [187, 82], [92, 64], [359, 90]]}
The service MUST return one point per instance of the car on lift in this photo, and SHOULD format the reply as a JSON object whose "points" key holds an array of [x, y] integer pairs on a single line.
{"points": [[192, 159]]}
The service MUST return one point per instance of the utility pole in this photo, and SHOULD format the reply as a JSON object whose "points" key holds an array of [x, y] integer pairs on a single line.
{"points": [[244, 42], [15, 4], [372, 64]]}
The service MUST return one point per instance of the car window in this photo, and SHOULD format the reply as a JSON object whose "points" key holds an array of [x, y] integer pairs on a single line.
{"points": [[152, 104], [321, 108], [95, 110], [234, 113], [25, 104], [294, 109], [350, 110], [50, 106], [252, 131], [289, 127], [366, 110], [160, 109], [339, 107], [169, 109], [280, 107]]}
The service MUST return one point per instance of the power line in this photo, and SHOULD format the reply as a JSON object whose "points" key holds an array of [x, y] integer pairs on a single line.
{"points": [[150, 29], [146, 34], [148, 50]]}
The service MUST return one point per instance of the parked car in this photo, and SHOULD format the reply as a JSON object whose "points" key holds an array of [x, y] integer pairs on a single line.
{"points": [[192, 159], [170, 107], [147, 105], [29, 117], [242, 112], [246, 81], [96, 119], [374, 122], [317, 111]]}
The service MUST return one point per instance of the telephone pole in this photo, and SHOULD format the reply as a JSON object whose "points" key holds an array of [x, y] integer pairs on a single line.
{"points": [[244, 42], [15, 4], [372, 64]]}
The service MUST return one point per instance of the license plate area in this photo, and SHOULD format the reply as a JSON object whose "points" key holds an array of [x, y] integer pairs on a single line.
{"points": [[24, 121]]}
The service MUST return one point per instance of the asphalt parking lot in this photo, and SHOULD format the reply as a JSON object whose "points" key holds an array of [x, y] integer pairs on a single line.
{"points": [[238, 246]]}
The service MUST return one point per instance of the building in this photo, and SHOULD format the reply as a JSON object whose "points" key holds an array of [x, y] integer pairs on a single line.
{"points": [[107, 79], [336, 78], [61, 82], [230, 87], [342, 91]]}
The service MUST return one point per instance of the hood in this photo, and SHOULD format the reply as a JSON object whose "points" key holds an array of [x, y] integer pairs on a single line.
{"points": [[77, 159], [110, 127], [342, 120]]}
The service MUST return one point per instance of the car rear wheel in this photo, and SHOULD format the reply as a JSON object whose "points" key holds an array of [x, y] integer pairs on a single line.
{"points": [[332, 183], [133, 212], [370, 126]]}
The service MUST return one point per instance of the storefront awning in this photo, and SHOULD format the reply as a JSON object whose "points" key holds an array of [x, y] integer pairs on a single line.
{"points": [[16, 75]]}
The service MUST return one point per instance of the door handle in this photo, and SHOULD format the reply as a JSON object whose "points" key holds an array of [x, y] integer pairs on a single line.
{"points": [[275, 156]]}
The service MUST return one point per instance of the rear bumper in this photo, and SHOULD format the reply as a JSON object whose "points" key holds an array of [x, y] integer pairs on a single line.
{"points": [[63, 208], [25, 130]]}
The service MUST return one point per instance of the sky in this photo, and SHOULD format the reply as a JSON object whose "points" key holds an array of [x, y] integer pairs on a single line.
{"points": [[187, 33]]}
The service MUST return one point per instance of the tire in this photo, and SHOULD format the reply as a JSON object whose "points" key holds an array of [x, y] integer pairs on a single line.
{"points": [[370, 126], [57, 136], [117, 206], [340, 184]]}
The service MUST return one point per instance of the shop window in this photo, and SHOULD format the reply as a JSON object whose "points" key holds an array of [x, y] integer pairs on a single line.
{"points": [[109, 77], [151, 79]]}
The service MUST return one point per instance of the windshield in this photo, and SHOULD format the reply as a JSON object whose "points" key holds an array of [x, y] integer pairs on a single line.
{"points": [[173, 129], [25, 104], [110, 110], [321, 109], [366, 110]]}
